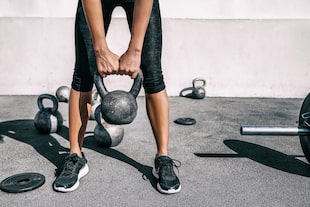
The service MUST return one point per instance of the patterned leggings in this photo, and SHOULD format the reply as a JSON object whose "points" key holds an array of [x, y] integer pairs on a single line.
{"points": [[85, 63]]}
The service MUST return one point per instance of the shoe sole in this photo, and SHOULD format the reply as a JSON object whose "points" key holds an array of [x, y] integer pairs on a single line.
{"points": [[159, 188], [82, 173]]}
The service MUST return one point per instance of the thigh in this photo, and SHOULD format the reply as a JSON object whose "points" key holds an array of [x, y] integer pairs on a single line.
{"points": [[82, 78], [152, 48], [85, 63], [151, 53]]}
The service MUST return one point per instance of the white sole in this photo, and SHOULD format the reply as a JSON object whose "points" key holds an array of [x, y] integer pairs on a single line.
{"points": [[170, 191], [82, 173]]}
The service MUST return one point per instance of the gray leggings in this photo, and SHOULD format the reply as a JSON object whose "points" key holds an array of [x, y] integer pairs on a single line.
{"points": [[85, 63]]}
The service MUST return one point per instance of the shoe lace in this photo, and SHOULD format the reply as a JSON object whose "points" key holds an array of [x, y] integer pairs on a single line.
{"points": [[170, 164], [69, 166]]}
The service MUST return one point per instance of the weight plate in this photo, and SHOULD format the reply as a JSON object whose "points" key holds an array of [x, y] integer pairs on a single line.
{"points": [[185, 121], [22, 182], [305, 139]]}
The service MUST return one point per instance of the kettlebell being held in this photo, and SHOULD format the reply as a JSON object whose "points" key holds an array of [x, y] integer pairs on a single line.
{"points": [[48, 120], [118, 107]]}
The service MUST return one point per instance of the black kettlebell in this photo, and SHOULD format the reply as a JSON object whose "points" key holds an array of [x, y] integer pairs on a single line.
{"points": [[197, 91], [107, 135], [118, 107], [48, 120]]}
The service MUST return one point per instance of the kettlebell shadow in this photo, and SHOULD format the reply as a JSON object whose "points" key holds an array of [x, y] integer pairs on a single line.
{"points": [[146, 171], [45, 144]]}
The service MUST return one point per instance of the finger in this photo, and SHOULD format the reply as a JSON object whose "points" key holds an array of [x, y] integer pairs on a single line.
{"points": [[121, 72], [109, 70], [102, 74], [124, 72], [100, 70], [134, 75]]}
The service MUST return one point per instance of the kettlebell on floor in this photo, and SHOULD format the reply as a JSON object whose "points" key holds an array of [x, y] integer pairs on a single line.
{"points": [[197, 91], [107, 135], [48, 119]]}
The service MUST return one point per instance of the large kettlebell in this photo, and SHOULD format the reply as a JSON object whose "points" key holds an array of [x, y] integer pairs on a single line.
{"points": [[63, 94], [48, 120], [107, 135], [197, 91], [118, 107]]}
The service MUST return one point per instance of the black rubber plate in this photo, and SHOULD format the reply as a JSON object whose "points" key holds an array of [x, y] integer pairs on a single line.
{"points": [[22, 182], [185, 121]]}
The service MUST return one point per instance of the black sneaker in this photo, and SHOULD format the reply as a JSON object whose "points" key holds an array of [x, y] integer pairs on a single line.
{"points": [[168, 182], [75, 168]]}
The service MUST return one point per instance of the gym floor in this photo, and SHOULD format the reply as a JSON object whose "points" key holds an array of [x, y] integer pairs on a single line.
{"points": [[238, 171]]}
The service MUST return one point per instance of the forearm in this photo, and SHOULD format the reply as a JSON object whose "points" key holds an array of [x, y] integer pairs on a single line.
{"points": [[141, 17], [94, 16]]}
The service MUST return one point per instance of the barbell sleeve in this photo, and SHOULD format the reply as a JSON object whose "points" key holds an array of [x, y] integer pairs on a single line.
{"points": [[274, 130]]}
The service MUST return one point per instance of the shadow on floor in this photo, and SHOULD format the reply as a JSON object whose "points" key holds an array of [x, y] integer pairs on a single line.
{"points": [[269, 157], [263, 155], [24, 131], [46, 145], [146, 171]]}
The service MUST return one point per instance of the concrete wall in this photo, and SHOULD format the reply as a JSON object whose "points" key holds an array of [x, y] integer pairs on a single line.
{"points": [[241, 48]]}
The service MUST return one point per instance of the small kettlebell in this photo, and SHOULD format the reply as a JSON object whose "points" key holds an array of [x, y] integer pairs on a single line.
{"points": [[196, 91], [199, 91], [63, 94], [48, 120], [107, 135], [118, 107], [95, 102]]}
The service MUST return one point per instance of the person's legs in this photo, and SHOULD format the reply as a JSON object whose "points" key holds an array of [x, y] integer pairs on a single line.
{"points": [[75, 166], [79, 113], [82, 84], [157, 103]]}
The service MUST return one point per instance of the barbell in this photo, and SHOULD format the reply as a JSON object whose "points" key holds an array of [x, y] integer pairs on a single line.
{"points": [[302, 130]]}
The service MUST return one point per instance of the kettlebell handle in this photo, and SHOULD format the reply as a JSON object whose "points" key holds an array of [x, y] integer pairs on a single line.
{"points": [[98, 114], [102, 90], [95, 95], [189, 94], [199, 80], [50, 97]]}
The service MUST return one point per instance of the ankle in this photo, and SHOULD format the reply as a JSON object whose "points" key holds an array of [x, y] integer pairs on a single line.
{"points": [[79, 153], [160, 154]]}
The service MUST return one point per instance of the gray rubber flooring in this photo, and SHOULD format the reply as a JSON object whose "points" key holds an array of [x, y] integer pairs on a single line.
{"points": [[238, 170]]}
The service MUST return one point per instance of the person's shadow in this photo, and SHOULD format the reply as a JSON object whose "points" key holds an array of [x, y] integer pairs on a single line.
{"points": [[24, 131]]}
